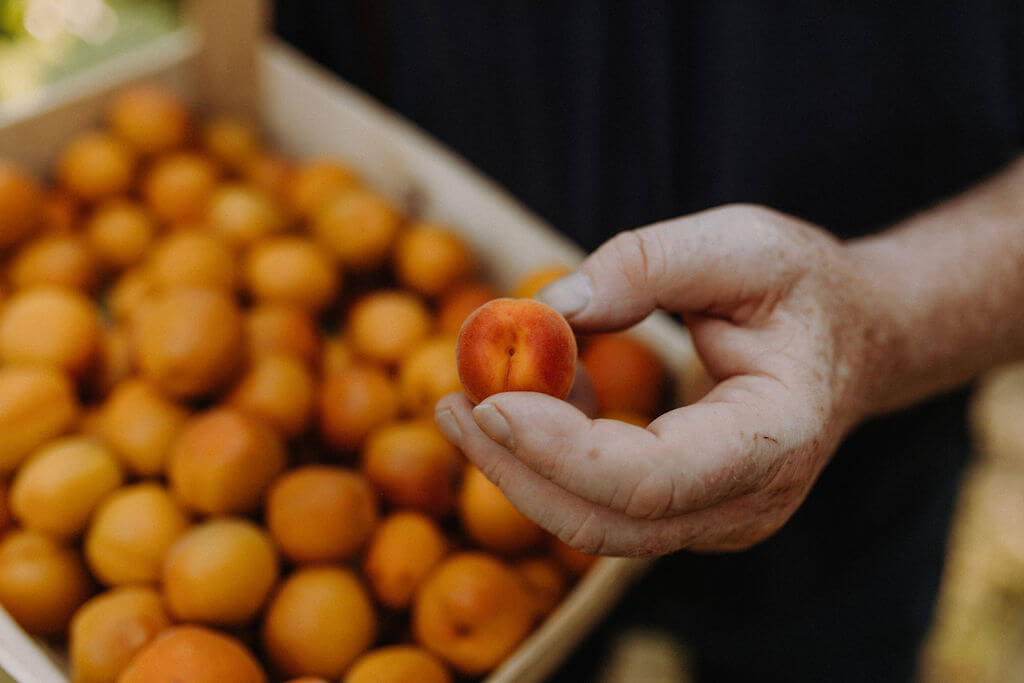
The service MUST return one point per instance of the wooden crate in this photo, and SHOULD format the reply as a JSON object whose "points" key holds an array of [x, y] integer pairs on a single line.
{"points": [[309, 112]]}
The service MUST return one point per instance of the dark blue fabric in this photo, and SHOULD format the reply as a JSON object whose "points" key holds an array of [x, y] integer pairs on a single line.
{"points": [[603, 115]]}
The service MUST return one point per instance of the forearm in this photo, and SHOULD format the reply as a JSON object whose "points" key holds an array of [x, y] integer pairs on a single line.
{"points": [[946, 293]]}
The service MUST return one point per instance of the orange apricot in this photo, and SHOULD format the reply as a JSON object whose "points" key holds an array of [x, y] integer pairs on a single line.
{"points": [[36, 405], [150, 119], [61, 212], [459, 302], [336, 355], [178, 186], [241, 214], [360, 228], [574, 561], [231, 141], [353, 403], [472, 611], [320, 620], [21, 204], [545, 582], [397, 664], [314, 182], [275, 328], [95, 166], [386, 325], [192, 259], [402, 552], [194, 654], [293, 271], [120, 232], [59, 261], [490, 519], [50, 326], [130, 293], [627, 374], [272, 174], [140, 424], [320, 513], [279, 389], [538, 279], [516, 345], [430, 258], [427, 373], [116, 360]]}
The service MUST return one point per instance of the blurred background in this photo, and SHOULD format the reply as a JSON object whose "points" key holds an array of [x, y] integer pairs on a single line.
{"points": [[978, 629]]}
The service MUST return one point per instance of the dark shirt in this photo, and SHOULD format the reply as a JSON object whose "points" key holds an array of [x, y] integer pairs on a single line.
{"points": [[602, 116]]}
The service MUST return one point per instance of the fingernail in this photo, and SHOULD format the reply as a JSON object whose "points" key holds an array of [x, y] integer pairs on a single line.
{"points": [[494, 424], [568, 295], [445, 421]]}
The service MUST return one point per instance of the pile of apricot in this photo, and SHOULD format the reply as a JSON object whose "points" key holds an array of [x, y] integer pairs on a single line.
{"points": [[218, 368]]}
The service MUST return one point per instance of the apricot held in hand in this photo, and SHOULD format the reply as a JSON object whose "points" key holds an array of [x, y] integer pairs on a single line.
{"points": [[515, 345]]}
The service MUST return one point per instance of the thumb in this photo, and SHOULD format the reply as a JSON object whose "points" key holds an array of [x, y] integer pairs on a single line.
{"points": [[712, 261]]}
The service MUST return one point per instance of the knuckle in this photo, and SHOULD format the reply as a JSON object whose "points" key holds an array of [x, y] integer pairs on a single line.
{"points": [[640, 256]]}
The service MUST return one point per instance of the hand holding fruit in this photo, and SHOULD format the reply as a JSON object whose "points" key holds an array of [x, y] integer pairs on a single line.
{"points": [[779, 314]]}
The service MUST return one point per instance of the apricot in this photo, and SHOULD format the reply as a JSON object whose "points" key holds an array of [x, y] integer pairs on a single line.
{"points": [[36, 405], [320, 620], [275, 328], [402, 552], [627, 374], [231, 141], [472, 611], [242, 214], [150, 119], [219, 572], [515, 345], [42, 582], [490, 519], [192, 259], [538, 279], [427, 373], [110, 628], [272, 174], [545, 582], [336, 355], [132, 292], [140, 424], [413, 465], [61, 484], [293, 271], [359, 227], [459, 302], [353, 403], [223, 460], [131, 532], [60, 214], [320, 513], [58, 261], [96, 166], [50, 326], [397, 664], [574, 561], [386, 325], [190, 343], [116, 361], [120, 233], [314, 182], [179, 185], [430, 258], [21, 204], [194, 654], [279, 389]]}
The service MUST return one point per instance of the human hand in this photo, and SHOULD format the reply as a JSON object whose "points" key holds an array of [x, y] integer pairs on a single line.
{"points": [[783, 321]]}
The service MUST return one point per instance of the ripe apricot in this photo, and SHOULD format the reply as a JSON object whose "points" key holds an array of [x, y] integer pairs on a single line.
{"points": [[386, 325], [50, 326], [192, 259], [490, 519], [110, 628], [413, 465], [58, 261], [320, 513], [275, 328], [116, 360], [190, 343], [336, 355], [472, 611], [150, 119], [427, 373], [231, 141], [293, 271], [120, 232], [353, 403], [179, 185], [21, 204], [242, 214], [219, 572], [60, 485], [132, 292], [430, 258], [459, 302], [538, 279], [315, 182], [272, 174], [131, 532], [140, 424], [278, 389], [545, 582], [194, 654], [320, 620], [397, 664], [42, 582], [36, 404], [402, 552], [575, 562], [61, 213], [516, 345], [627, 374], [222, 462], [359, 227], [96, 166]]}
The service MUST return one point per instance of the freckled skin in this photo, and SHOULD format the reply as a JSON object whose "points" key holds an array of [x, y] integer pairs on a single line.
{"points": [[515, 345]]}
